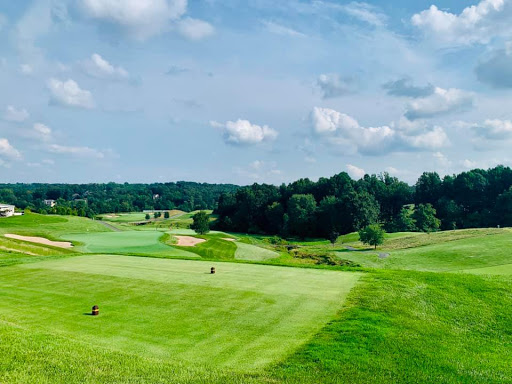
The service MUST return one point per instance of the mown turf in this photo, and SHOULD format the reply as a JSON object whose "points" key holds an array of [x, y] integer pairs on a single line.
{"points": [[254, 253], [133, 242], [214, 248], [411, 327], [243, 317]]}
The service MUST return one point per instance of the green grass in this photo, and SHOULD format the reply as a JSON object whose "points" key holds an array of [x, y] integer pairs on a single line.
{"points": [[253, 253], [214, 248], [169, 311], [134, 242], [410, 327]]}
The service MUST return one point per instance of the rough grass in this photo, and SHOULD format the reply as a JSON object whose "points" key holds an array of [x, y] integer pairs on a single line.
{"points": [[254, 253], [242, 318], [214, 248]]}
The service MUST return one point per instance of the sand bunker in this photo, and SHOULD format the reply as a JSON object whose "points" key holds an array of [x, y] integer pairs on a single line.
{"points": [[41, 240], [228, 239], [188, 241]]}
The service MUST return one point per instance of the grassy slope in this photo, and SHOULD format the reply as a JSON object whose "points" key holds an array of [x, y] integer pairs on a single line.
{"points": [[443, 251], [242, 318]]}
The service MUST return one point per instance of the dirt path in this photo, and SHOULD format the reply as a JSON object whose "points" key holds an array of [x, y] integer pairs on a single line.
{"points": [[40, 240], [109, 226], [188, 241]]}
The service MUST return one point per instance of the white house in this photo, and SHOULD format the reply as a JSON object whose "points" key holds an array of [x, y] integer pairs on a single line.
{"points": [[6, 210], [50, 203]]}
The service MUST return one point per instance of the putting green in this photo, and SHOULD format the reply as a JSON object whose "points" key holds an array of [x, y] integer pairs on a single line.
{"points": [[243, 317], [134, 242]]}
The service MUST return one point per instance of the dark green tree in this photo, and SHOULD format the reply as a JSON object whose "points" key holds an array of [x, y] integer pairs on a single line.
{"points": [[333, 237], [147, 216], [201, 223], [166, 215], [301, 214], [425, 217], [372, 235]]}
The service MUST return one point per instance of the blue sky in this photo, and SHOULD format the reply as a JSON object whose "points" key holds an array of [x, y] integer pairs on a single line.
{"points": [[250, 91]]}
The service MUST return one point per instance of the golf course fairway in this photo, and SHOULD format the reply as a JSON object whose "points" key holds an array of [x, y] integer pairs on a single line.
{"points": [[244, 317]]}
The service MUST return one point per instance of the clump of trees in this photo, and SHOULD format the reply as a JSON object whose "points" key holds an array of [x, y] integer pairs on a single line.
{"points": [[478, 198], [93, 199]]}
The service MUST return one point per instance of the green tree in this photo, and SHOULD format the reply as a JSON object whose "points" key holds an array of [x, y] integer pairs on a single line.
{"points": [[301, 214], [147, 216], [166, 215], [372, 234], [404, 221], [425, 217], [333, 237], [201, 223]]}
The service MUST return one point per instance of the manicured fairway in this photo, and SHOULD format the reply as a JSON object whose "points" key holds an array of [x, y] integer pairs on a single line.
{"points": [[243, 317], [135, 242]]}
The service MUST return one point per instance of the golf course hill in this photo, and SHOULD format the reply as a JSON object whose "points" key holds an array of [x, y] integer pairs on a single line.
{"points": [[175, 306]]}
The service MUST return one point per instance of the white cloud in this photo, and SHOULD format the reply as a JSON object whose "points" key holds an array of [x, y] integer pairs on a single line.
{"points": [[345, 133], [475, 24], [279, 29], [100, 68], [42, 132], [441, 159], [259, 170], [26, 69], [441, 102], [355, 172], [364, 12], [333, 85], [16, 115], [468, 164], [68, 93], [194, 29], [76, 151], [140, 18], [8, 151], [242, 132], [494, 129]]}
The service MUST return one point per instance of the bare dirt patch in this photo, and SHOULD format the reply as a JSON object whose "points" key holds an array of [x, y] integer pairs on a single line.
{"points": [[228, 239], [188, 241], [40, 240]]}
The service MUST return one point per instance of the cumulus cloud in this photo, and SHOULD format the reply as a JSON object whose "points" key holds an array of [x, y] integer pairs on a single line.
{"points": [[194, 29], [16, 115], [100, 68], [333, 85], [405, 87], [345, 133], [355, 172], [497, 70], [475, 24], [8, 151], [494, 129], [243, 133], [68, 93], [440, 102], [140, 18], [279, 29], [76, 151], [42, 132], [258, 170]]}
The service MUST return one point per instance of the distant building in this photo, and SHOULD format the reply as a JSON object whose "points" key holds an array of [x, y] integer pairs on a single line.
{"points": [[50, 203], [156, 196], [6, 210]]}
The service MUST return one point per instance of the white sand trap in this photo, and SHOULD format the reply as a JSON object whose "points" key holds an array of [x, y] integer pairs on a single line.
{"points": [[228, 239], [188, 241], [41, 240]]}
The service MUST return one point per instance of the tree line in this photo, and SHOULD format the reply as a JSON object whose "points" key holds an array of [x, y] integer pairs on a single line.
{"points": [[93, 199], [477, 198]]}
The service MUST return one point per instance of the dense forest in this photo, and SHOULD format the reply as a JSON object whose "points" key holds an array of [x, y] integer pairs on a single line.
{"points": [[92, 199], [339, 205]]}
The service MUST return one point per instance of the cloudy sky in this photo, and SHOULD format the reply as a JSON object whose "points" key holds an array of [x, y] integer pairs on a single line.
{"points": [[247, 91]]}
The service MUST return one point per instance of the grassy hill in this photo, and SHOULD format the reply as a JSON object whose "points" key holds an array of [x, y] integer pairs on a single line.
{"points": [[423, 308]]}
